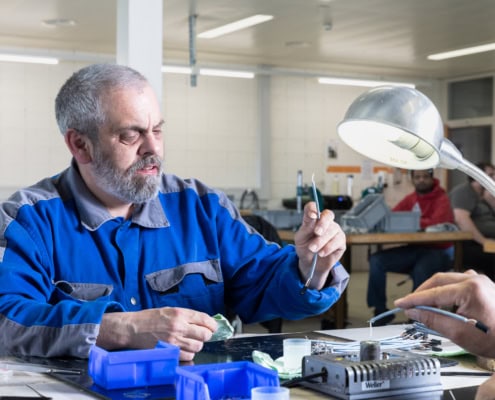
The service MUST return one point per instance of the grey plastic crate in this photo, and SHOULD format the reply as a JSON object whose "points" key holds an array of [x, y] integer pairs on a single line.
{"points": [[281, 219], [402, 221], [366, 215]]}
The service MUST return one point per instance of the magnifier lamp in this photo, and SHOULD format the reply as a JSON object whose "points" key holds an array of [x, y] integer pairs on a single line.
{"points": [[399, 126]]}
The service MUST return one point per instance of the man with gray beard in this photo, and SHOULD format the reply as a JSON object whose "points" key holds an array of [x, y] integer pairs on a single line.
{"points": [[114, 252]]}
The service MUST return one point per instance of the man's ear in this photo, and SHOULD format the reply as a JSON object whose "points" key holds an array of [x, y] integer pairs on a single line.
{"points": [[79, 145]]}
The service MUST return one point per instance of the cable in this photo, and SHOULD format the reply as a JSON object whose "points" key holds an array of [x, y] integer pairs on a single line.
{"points": [[478, 324], [296, 381]]}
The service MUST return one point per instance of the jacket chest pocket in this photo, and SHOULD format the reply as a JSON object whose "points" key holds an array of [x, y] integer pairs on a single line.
{"points": [[187, 285], [83, 291]]}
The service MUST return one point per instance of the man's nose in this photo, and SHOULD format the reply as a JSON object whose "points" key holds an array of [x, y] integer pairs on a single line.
{"points": [[151, 143]]}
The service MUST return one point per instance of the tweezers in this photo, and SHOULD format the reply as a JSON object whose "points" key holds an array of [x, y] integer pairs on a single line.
{"points": [[315, 256], [39, 368]]}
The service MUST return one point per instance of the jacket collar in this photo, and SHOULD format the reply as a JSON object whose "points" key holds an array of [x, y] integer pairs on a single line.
{"points": [[93, 213]]}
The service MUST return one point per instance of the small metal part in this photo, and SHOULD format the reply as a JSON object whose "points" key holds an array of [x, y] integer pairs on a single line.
{"points": [[37, 368], [369, 350]]}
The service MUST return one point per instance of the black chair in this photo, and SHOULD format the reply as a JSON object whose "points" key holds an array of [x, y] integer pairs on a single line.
{"points": [[269, 232]]}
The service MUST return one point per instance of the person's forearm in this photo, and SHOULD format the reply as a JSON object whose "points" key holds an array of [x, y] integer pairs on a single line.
{"points": [[477, 235], [467, 224]]}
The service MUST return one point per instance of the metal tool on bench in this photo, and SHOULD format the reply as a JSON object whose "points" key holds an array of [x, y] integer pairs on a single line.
{"points": [[371, 374]]}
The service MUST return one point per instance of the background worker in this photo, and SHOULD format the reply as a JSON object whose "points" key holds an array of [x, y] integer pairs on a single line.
{"points": [[114, 252], [474, 214], [419, 261]]}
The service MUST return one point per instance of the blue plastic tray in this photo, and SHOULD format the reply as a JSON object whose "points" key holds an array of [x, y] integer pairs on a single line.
{"points": [[221, 381], [133, 368]]}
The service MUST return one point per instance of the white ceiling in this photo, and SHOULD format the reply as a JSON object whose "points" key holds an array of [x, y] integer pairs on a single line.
{"points": [[375, 37]]}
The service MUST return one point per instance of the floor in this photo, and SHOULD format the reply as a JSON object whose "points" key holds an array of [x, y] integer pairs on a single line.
{"points": [[359, 313]]}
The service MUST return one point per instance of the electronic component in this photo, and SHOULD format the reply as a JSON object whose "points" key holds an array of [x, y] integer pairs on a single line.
{"points": [[395, 375]]}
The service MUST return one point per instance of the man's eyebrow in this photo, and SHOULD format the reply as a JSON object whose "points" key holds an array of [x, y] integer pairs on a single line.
{"points": [[134, 127], [160, 124]]}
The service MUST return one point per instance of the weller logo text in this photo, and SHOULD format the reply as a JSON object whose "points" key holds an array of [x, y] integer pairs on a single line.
{"points": [[373, 385]]}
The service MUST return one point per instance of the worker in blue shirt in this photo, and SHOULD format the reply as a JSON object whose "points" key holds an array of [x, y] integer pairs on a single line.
{"points": [[114, 252]]}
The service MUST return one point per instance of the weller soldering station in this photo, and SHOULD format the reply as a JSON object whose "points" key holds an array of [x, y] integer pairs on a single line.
{"points": [[373, 374]]}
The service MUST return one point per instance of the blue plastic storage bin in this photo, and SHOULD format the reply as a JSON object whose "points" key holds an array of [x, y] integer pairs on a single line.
{"points": [[220, 381], [133, 368]]}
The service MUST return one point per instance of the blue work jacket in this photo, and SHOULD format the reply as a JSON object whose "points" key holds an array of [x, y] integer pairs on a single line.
{"points": [[65, 261]]}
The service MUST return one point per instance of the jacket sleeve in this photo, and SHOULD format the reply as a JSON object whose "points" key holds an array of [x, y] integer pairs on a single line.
{"points": [[262, 279], [35, 318]]}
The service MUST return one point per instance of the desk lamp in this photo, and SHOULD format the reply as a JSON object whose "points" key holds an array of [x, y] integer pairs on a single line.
{"points": [[399, 126]]}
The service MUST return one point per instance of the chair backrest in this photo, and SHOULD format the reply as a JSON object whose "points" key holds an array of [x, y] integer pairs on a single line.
{"points": [[264, 228]]}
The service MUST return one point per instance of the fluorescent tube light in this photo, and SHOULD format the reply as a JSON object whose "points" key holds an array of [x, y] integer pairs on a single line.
{"points": [[226, 73], [235, 26], [172, 69], [28, 59], [361, 82], [462, 52]]}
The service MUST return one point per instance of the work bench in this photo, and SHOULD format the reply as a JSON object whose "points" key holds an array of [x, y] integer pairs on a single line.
{"points": [[26, 383]]}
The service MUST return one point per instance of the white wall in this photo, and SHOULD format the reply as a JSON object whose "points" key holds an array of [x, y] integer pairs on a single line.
{"points": [[305, 115], [210, 130], [30, 145]]}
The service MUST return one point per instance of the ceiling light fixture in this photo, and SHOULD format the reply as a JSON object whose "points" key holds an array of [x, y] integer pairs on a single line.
{"points": [[297, 44], [462, 52], [28, 59], [361, 82], [235, 26], [226, 73], [173, 69], [58, 22]]}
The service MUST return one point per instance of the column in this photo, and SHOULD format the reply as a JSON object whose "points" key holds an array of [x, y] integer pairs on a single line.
{"points": [[140, 37]]}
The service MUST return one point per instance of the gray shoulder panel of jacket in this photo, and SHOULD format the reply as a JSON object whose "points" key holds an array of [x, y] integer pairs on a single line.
{"points": [[172, 183], [43, 190]]}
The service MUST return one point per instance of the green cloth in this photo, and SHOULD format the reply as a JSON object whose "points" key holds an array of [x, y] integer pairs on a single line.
{"points": [[267, 361], [224, 330]]}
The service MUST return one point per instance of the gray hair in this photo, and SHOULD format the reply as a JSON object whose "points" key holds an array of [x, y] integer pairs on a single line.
{"points": [[79, 103]]}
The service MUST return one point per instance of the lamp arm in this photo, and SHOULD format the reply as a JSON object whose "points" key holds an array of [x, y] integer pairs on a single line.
{"points": [[451, 158], [478, 175]]}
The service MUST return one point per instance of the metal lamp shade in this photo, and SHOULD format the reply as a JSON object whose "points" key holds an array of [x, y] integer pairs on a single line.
{"points": [[399, 126], [395, 125]]}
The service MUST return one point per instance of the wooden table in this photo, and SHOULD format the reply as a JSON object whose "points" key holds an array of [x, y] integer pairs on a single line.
{"points": [[489, 246], [339, 311], [413, 238]]}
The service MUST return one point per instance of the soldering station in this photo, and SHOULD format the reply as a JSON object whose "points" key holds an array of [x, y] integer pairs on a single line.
{"points": [[372, 374]]}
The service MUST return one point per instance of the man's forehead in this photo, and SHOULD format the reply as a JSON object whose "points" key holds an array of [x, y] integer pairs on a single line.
{"points": [[123, 107], [423, 173]]}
